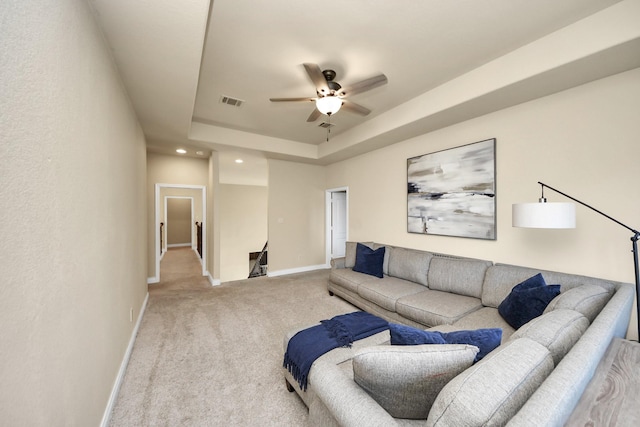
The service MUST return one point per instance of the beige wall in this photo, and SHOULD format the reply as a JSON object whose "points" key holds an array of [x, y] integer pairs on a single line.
{"points": [[243, 227], [72, 219], [165, 169], [213, 219], [179, 221], [296, 215], [582, 141]]}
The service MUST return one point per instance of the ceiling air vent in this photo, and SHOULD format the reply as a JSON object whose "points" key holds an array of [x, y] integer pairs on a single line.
{"points": [[234, 102], [326, 125]]}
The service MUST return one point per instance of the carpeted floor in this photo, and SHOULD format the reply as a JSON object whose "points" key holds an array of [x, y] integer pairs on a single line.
{"points": [[209, 356]]}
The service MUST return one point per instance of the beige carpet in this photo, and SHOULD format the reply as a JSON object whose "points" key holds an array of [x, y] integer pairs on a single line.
{"points": [[209, 356]]}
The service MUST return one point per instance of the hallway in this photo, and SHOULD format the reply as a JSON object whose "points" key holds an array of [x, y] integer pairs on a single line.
{"points": [[180, 270]]}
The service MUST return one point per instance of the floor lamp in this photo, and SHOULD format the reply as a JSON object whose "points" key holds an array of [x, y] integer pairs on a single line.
{"points": [[563, 215]]}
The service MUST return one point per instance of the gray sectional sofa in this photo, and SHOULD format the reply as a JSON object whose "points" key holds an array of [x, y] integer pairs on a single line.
{"points": [[534, 378]]}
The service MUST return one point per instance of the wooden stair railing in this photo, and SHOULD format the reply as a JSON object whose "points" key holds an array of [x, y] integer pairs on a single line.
{"points": [[199, 237]]}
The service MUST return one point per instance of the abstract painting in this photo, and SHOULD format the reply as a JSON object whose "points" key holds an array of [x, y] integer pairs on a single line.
{"points": [[453, 192]]}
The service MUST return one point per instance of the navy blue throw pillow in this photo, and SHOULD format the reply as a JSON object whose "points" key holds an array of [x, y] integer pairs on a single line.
{"points": [[407, 335], [485, 339], [369, 261], [532, 282], [527, 301]]}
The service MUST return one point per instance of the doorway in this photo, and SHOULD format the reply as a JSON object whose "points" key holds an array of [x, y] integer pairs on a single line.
{"points": [[337, 222], [180, 227], [199, 212]]}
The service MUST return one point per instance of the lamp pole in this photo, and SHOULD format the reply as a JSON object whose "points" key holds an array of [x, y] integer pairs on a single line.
{"points": [[634, 244]]}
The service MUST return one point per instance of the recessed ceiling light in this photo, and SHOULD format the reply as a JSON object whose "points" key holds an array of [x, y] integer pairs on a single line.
{"points": [[181, 151], [200, 153], [239, 161]]}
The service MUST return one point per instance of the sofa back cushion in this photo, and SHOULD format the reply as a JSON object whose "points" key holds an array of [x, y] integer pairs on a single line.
{"points": [[462, 276], [387, 253], [586, 299], [493, 390], [409, 264], [406, 380], [350, 253], [557, 330], [501, 278]]}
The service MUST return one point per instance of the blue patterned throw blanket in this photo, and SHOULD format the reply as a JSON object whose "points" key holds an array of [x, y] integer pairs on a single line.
{"points": [[309, 344]]}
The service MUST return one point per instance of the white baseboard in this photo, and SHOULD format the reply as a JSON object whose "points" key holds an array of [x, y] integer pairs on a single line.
{"points": [[106, 417], [214, 282], [179, 245], [151, 280], [298, 270]]}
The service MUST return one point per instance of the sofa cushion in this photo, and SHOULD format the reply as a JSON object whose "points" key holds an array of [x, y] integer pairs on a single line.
{"points": [[348, 279], [586, 299], [387, 291], [350, 253], [461, 276], [369, 261], [409, 264], [431, 308], [501, 278], [494, 389], [499, 281], [557, 330], [527, 300], [388, 250], [406, 380]]}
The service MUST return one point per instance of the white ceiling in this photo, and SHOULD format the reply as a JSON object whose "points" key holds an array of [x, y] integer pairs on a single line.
{"points": [[177, 58]]}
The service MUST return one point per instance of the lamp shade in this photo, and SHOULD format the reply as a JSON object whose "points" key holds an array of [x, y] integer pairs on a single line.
{"points": [[544, 215], [328, 104]]}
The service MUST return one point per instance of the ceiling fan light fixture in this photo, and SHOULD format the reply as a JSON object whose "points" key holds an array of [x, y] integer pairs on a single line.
{"points": [[328, 104]]}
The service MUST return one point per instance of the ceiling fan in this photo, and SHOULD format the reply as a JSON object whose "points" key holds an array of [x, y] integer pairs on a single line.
{"points": [[331, 95]]}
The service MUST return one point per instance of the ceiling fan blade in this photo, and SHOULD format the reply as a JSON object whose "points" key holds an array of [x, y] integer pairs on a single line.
{"points": [[363, 86], [355, 108], [316, 76], [307, 99], [314, 115]]}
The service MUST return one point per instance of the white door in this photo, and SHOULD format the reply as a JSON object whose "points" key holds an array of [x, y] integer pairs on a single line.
{"points": [[338, 223]]}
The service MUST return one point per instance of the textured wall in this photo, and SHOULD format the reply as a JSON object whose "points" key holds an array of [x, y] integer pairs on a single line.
{"points": [[243, 227], [296, 215], [72, 219]]}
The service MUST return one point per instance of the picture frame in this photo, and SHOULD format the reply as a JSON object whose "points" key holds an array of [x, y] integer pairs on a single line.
{"points": [[453, 192]]}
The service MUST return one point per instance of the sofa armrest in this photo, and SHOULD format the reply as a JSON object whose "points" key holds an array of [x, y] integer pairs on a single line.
{"points": [[349, 404], [338, 263]]}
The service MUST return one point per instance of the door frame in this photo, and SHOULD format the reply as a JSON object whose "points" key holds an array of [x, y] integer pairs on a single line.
{"points": [[156, 232], [327, 215]]}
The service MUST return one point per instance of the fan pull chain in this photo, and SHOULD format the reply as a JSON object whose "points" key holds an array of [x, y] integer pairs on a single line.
{"points": [[329, 127]]}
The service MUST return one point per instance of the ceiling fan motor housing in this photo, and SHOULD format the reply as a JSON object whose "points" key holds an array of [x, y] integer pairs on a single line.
{"points": [[329, 75]]}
